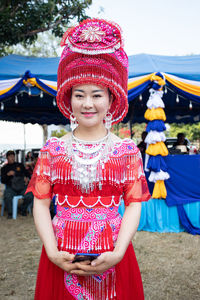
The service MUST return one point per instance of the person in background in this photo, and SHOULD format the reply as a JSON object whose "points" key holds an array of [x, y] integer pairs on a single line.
{"points": [[181, 141], [29, 157], [30, 165], [29, 162], [13, 175], [27, 200], [28, 197], [142, 145]]}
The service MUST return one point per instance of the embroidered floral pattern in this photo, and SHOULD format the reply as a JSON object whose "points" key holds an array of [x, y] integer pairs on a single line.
{"points": [[87, 214], [126, 147], [90, 239], [92, 34], [86, 230], [75, 288]]}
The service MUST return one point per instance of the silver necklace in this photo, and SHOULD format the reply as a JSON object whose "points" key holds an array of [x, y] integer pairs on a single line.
{"points": [[90, 142], [87, 159]]}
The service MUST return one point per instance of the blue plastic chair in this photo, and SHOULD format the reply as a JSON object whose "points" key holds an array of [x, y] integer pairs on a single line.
{"points": [[2, 204], [2, 208], [15, 204]]}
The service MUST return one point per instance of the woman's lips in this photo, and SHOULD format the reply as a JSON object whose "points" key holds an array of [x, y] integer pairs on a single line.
{"points": [[89, 114]]}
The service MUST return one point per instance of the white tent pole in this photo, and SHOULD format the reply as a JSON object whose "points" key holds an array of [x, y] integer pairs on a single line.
{"points": [[24, 138]]}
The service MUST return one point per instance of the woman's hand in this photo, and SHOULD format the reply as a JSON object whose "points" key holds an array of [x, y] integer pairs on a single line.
{"points": [[101, 264], [63, 260]]}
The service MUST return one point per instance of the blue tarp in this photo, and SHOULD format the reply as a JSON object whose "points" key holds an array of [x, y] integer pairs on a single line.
{"points": [[183, 186], [181, 209], [188, 67], [182, 66], [156, 216], [15, 66]]}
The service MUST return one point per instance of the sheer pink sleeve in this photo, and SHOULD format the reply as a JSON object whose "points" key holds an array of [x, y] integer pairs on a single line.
{"points": [[135, 188], [40, 183]]}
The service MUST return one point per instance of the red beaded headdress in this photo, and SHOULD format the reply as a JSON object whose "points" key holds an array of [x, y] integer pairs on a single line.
{"points": [[93, 54]]}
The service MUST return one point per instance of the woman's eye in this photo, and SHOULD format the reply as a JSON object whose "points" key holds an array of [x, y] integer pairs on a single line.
{"points": [[97, 96], [78, 96]]}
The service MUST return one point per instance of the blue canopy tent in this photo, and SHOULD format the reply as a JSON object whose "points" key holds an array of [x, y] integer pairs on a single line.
{"points": [[182, 66], [28, 90], [181, 72], [34, 107]]}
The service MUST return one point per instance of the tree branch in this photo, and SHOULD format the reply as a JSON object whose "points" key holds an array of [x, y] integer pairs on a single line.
{"points": [[33, 32], [14, 10]]}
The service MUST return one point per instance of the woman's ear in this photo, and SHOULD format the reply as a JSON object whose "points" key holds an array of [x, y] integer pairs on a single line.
{"points": [[110, 100]]}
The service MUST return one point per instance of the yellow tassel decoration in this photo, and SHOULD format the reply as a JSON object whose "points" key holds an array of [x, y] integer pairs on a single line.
{"points": [[157, 79], [157, 149], [159, 190], [155, 114]]}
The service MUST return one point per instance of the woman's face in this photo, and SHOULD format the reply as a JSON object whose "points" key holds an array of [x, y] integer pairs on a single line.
{"points": [[90, 103]]}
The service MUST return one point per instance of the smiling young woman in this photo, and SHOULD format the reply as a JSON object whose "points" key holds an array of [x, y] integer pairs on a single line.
{"points": [[90, 104], [89, 171]]}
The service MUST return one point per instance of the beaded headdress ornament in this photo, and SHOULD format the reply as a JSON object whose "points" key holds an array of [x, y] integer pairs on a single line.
{"points": [[94, 54]]}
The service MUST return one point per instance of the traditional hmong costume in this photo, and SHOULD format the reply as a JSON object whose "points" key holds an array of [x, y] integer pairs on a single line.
{"points": [[89, 179]]}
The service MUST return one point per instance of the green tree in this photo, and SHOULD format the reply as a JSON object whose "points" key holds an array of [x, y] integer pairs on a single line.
{"points": [[21, 21], [123, 130], [138, 129], [58, 134], [191, 131], [46, 45]]}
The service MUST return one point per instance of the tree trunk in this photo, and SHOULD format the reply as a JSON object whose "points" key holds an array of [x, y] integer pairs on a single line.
{"points": [[45, 133]]}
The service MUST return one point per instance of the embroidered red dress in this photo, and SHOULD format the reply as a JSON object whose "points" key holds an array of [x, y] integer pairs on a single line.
{"points": [[87, 220]]}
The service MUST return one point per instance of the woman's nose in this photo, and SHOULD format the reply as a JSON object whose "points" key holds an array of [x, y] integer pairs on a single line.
{"points": [[88, 102]]}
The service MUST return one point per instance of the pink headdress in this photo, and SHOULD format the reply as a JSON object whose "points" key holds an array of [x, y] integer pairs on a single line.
{"points": [[93, 54]]}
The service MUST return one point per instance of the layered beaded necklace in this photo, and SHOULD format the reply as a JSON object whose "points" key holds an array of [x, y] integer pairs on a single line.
{"points": [[87, 159]]}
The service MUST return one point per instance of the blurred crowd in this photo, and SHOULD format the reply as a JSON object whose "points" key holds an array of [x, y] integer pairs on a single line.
{"points": [[15, 177]]}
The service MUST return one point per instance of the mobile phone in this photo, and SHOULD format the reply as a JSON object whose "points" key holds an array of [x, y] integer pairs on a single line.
{"points": [[85, 256]]}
